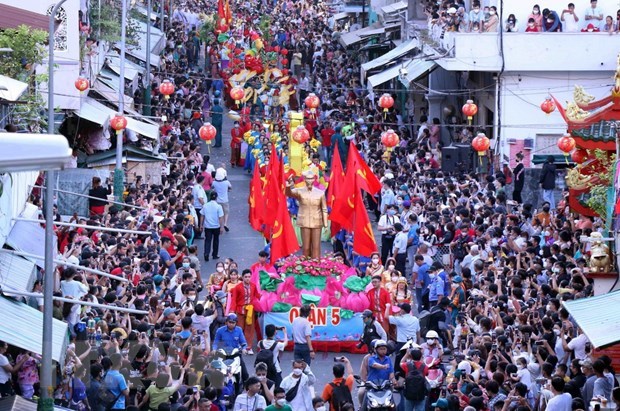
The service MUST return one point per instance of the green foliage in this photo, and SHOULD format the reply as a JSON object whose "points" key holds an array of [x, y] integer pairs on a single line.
{"points": [[107, 25], [597, 199], [264, 25], [208, 26], [27, 45]]}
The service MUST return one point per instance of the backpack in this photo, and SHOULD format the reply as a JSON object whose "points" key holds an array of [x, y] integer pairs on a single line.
{"points": [[341, 395], [415, 383], [268, 357], [107, 399]]}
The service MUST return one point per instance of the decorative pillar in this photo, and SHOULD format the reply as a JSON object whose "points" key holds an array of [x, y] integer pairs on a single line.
{"points": [[295, 150]]}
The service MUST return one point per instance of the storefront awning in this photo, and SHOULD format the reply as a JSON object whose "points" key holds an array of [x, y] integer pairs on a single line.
{"points": [[354, 37], [394, 7], [22, 326], [597, 317], [11, 89], [20, 273], [340, 16], [98, 113], [110, 93], [395, 53], [384, 76], [557, 159], [416, 69]]}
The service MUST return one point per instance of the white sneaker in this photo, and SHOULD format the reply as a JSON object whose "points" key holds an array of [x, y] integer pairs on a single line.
{"points": [[250, 352]]}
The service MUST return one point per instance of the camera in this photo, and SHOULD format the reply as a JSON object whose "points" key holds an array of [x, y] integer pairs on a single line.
{"points": [[339, 359]]}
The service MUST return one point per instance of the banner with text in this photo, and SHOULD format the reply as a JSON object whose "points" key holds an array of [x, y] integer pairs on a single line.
{"points": [[327, 323]]}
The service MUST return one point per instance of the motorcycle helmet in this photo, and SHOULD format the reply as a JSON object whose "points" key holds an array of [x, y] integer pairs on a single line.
{"points": [[232, 317], [432, 334], [380, 343]]}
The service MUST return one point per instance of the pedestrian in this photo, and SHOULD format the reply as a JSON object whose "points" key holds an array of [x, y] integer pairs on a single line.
{"points": [[96, 206], [372, 330], [547, 181], [213, 214], [302, 331], [200, 198], [298, 384], [518, 178], [115, 382], [217, 118], [338, 392], [399, 248], [222, 186], [279, 401], [236, 138], [270, 345], [250, 400]]}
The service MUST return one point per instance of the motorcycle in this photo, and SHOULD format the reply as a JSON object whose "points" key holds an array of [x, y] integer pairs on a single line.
{"points": [[378, 397], [231, 357]]}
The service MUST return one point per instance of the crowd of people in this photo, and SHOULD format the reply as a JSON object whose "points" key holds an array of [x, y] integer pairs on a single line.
{"points": [[464, 275]]}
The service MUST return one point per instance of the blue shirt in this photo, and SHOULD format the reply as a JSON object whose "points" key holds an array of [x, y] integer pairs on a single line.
{"points": [[436, 288], [377, 375], [423, 276], [212, 211], [446, 284], [115, 382], [413, 235], [165, 256], [225, 338]]}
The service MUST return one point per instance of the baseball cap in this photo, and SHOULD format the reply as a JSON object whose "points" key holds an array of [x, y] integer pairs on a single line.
{"points": [[169, 311], [441, 403], [406, 203], [366, 314], [457, 279]]}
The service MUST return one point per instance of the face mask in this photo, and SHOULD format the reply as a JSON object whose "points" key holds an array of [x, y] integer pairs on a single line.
{"points": [[556, 270], [394, 279], [476, 10], [492, 13], [432, 275], [321, 408], [455, 285], [391, 212], [226, 265], [375, 261], [549, 307], [391, 267], [430, 342], [185, 265], [399, 202], [546, 233], [531, 25], [297, 372], [191, 297], [261, 378], [219, 269], [281, 402], [550, 21], [535, 11]]}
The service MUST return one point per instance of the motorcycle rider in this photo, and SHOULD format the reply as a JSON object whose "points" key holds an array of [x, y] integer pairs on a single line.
{"points": [[231, 336], [372, 330], [380, 368], [432, 347]]}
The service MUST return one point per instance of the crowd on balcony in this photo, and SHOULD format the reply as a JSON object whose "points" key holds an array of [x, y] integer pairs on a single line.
{"points": [[452, 16]]}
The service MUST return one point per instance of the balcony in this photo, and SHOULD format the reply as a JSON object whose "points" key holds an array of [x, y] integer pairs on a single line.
{"points": [[525, 51]]}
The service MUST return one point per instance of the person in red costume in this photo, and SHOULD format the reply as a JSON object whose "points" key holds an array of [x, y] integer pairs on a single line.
{"points": [[243, 297]]}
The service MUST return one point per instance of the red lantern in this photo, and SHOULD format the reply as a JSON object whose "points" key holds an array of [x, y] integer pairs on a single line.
{"points": [[237, 94], [207, 132], [548, 106], [301, 135], [566, 144], [284, 52], [312, 102], [481, 144], [285, 72], [284, 62], [276, 49], [390, 139], [118, 123], [81, 84], [580, 155], [386, 102], [166, 88], [470, 109]]}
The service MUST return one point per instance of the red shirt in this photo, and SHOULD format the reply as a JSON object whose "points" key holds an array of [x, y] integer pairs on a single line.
{"points": [[238, 297], [384, 299], [326, 135], [405, 367]]}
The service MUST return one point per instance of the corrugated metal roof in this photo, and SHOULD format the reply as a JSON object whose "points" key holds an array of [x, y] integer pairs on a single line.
{"points": [[598, 317], [16, 273], [12, 17], [14, 88], [395, 53]]}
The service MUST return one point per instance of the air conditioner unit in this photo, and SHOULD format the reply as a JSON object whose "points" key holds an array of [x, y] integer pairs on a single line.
{"points": [[512, 141], [528, 144]]}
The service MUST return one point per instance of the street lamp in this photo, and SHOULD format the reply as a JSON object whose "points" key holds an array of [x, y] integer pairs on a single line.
{"points": [[118, 172]]}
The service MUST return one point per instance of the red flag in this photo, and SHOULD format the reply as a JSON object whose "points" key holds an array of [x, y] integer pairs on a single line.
{"points": [[283, 239], [273, 189], [221, 12], [227, 12], [256, 201], [366, 179], [336, 181], [343, 206], [363, 237]]}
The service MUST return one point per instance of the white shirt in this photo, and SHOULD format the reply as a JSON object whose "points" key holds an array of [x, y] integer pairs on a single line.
{"points": [[73, 289], [561, 402], [4, 375], [276, 351], [303, 399], [245, 403], [597, 12], [301, 329], [406, 326], [400, 242], [578, 346], [199, 192], [570, 22], [221, 188]]}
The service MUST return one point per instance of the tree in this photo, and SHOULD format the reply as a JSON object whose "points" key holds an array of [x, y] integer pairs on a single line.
{"points": [[28, 47]]}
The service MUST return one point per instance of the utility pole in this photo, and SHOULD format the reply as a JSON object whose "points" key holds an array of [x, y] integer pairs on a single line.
{"points": [[146, 107], [118, 172]]}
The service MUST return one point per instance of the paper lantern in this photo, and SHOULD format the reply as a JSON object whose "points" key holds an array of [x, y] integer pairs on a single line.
{"points": [[81, 84], [312, 102], [284, 52], [548, 106], [390, 139], [580, 155], [470, 109], [166, 88], [566, 144], [481, 144], [301, 135], [237, 94], [207, 132], [284, 62], [118, 123], [386, 102]]}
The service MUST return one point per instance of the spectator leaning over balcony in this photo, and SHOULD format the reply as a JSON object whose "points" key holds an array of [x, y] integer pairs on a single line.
{"points": [[475, 16], [492, 23], [551, 21], [618, 21], [594, 14], [531, 26], [511, 24], [609, 26], [538, 18], [570, 19], [463, 20]]}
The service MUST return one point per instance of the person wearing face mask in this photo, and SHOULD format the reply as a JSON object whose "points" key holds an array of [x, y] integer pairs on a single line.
{"points": [[379, 298], [436, 287], [279, 401], [457, 297], [219, 309], [243, 298], [475, 15], [216, 279], [491, 23], [551, 23], [538, 18], [391, 276], [297, 386], [250, 400], [236, 135], [399, 248], [511, 26], [266, 385], [375, 267], [386, 227]]}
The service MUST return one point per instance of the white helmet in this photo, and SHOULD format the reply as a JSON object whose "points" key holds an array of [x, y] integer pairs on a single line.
{"points": [[432, 334], [380, 343]]}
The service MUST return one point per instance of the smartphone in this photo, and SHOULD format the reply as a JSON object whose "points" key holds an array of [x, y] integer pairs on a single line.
{"points": [[540, 342]]}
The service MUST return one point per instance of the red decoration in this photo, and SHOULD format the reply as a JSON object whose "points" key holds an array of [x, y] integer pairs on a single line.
{"points": [[284, 52], [284, 62], [580, 155], [81, 84], [548, 106], [312, 102], [481, 144], [118, 123], [301, 135], [386, 102], [390, 139], [276, 49], [237, 94], [207, 132], [470, 109], [566, 144], [166, 88], [285, 72]]}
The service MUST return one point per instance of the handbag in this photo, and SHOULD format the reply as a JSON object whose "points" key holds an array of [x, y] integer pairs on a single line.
{"points": [[292, 393]]}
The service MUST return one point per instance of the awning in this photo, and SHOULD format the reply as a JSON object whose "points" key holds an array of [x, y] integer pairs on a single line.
{"points": [[111, 94], [597, 317], [98, 113], [20, 273], [157, 37], [12, 17], [17, 403], [140, 55], [416, 69], [30, 237], [384, 76], [353, 37], [391, 55], [114, 65], [394, 7], [10, 89], [559, 159], [340, 16], [22, 326]]}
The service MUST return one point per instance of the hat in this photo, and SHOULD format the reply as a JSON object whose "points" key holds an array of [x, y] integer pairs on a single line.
{"points": [[169, 311], [465, 367], [220, 174], [231, 317], [120, 332], [451, 10], [389, 175], [441, 403], [457, 279], [406, 203], [309, 175], [366, 314], [218, 364]]}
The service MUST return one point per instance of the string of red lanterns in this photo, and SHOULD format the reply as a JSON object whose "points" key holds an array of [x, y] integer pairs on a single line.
{"points": [[207, 132], [547, 106], [470, 109], [166, 88], [300, 135]]}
